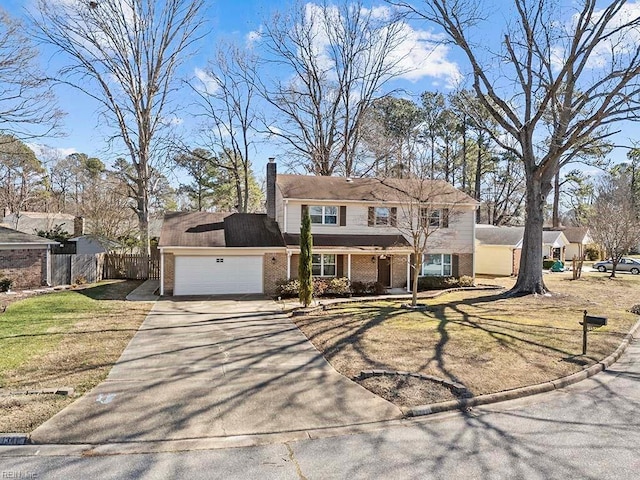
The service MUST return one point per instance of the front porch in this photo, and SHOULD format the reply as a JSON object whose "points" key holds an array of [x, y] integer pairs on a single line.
{"points": [[391, 270]]}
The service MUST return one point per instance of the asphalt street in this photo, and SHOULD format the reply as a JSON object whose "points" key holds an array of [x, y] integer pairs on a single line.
{"points": [[590, 430]]}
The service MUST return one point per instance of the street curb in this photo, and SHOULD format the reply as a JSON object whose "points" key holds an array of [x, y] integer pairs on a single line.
{"points": [[466, 403]]}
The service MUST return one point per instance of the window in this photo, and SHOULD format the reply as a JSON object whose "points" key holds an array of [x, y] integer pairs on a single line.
{"points": [[382, 216], [323, 215], [436, 265], [323, 265], [434, 218]]}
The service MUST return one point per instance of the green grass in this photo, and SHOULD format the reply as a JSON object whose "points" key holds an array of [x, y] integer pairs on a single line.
{"points": [[33, 326]]}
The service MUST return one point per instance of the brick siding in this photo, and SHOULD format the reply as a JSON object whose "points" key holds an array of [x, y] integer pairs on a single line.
{"points": [[363, 269], [27, 268], [517, 253], [169, 273], [465, 264], [275, 271], [399, 271]]}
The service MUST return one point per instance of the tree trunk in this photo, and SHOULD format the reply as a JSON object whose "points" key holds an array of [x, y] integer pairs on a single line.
{"points": [[417, 265], [556, 201], [530, 274], [478, 176]]}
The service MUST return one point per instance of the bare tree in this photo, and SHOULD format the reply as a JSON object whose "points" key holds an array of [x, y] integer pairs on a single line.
{"points": [[614, 220], [27, 105], [21, 175], [335, 58], [226, 93], [426, 209], [125, 54], [567, 72]]}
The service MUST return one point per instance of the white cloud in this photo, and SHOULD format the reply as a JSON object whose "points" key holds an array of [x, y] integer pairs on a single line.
{"points": [[208, 84], [623, 40], [45, 152], [253, 36], [419, 53], [422, 54]]}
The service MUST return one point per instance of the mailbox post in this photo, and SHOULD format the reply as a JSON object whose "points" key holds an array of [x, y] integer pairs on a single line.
{"points": [[590, 322]]}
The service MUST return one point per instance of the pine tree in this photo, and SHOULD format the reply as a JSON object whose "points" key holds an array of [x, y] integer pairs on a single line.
{"points": [[304, 266]]}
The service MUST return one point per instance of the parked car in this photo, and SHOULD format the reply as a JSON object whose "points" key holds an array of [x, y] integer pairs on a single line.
{"points": [[625, 265]]}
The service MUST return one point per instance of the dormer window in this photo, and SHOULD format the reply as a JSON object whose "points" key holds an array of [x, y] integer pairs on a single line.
{"points": [[323, 215]]}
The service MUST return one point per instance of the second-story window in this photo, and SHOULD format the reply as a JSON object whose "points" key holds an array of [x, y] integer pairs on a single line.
{"points": [[382, 216], [434, 218], [323, 215]]}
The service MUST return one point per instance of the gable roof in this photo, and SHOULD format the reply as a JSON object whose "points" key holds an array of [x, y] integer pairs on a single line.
{"points": [[555, 238], [205, 229], [502, 236], [512, 236], [11, 237], [370, 189], [576, 234], [31, 222]]}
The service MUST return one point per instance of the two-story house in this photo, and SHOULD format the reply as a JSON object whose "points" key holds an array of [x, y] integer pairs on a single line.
{"points": [[362, 229]]}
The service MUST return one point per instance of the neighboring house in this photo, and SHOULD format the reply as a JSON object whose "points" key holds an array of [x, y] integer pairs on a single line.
{"points": [[499, 249], [356, 227], [578, 238], [25, 258], [554, 245], [32, 222], [91, 244]]}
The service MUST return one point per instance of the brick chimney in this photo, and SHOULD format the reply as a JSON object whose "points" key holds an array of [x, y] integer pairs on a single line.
{"points": [[271, 188], [78, 226]]}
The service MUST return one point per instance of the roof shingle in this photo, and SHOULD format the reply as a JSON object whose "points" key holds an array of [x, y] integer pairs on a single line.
{"points": [[370, 189], [205, 229]]}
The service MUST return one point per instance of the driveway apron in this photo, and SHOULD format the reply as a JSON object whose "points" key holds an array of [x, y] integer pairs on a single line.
{"points": [[209, 368]]}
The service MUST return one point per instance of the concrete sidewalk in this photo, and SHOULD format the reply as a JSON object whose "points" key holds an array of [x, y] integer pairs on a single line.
{"points": [[214, 368]]}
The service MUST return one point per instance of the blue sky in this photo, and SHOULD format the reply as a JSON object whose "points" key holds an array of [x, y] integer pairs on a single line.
{"points": [[236, 19]]}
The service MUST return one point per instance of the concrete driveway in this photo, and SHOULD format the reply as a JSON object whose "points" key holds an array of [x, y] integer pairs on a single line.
{"points": [[210, 368]]}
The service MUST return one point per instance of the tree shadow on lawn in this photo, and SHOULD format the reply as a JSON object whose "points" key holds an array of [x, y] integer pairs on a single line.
{"points": [[512, 337]]}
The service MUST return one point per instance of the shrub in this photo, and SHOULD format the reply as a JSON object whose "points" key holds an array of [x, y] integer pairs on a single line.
{"points": [[339, 286], [378, 288], [320, 286], [592, 253], [547, 264], [440, 283], [287, 288], [5, 284], [359, 288], [466, 281]]}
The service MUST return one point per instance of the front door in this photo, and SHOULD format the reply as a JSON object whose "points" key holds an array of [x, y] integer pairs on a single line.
{"points": [[384, 271]]}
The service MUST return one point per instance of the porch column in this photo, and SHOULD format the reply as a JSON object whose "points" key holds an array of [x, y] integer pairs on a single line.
{"points": [[349, 266], [408, 272], [288, 266]]}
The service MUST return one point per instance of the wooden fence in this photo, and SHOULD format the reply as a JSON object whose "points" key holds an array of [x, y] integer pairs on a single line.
{"points": [[132, 266], [67, 269]]}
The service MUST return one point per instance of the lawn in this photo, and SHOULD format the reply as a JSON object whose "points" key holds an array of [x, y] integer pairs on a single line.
{"points": [[481, 339], [61, 339]]}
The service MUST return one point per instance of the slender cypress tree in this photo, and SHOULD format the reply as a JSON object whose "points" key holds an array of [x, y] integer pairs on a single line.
{"points": [[304, 267]]}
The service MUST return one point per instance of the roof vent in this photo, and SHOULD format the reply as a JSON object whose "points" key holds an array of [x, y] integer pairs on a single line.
{"points": [[349, 179]]}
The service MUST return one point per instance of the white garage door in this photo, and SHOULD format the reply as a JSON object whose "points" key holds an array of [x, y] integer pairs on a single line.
{"points": [[217, 275]]}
